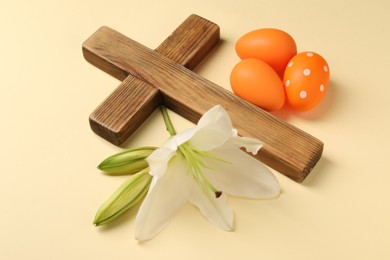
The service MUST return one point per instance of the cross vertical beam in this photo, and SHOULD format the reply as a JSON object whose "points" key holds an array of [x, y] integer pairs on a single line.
{"points": [[117, 117], [287, 149]]}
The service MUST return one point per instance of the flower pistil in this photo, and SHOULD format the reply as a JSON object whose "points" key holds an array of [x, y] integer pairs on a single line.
{"points": [[195, 162]]}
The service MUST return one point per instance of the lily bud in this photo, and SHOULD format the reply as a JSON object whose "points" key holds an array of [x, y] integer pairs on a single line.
{"points": [[127, 162], [125, 197]]}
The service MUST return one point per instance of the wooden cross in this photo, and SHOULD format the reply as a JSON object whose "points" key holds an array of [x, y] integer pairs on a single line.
{"points": [[151, 78]]}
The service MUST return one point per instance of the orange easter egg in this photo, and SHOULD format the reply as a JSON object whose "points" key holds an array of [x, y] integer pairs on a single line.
{"points": [[306, 80], [273, 46], [256, 82]]}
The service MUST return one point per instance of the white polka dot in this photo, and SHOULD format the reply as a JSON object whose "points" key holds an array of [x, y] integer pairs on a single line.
{"points": [[303, 94], [309, 54], [290, 64], [326, 68], [306, 72], [322, 88], [288, 83]]}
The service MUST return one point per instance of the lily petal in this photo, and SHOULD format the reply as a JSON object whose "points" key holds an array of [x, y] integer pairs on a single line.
{"points": [[213, 129], [159, 159], [239, 174], [180, 139], [164, 200], [250, 144], [215, 210]]}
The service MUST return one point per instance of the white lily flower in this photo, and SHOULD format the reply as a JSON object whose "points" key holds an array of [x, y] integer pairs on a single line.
{"points": [[201, 165]]}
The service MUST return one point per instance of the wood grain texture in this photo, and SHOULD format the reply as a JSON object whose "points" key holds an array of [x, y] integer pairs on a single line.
{"points": [[122, 112], [287, 149], [118, 116]]}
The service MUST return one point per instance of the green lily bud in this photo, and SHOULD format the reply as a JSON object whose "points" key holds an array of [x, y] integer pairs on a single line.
{"points": [[125, 197], [127, 162]]}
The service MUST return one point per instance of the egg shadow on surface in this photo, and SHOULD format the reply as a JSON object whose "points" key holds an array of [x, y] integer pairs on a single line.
{"points": [[320, 111]]}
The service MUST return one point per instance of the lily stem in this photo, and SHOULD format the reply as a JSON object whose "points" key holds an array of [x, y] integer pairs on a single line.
{"points": [[167, 121]]}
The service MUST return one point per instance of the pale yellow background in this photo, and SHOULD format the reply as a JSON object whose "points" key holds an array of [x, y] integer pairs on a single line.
{"points": [[50, 188]]}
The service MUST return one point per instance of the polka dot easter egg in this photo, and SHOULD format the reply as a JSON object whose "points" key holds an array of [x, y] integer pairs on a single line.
{"points": [[306, 80]]}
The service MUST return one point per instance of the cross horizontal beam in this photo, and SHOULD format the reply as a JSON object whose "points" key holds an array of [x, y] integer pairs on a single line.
{"points": [[287, 149]]}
